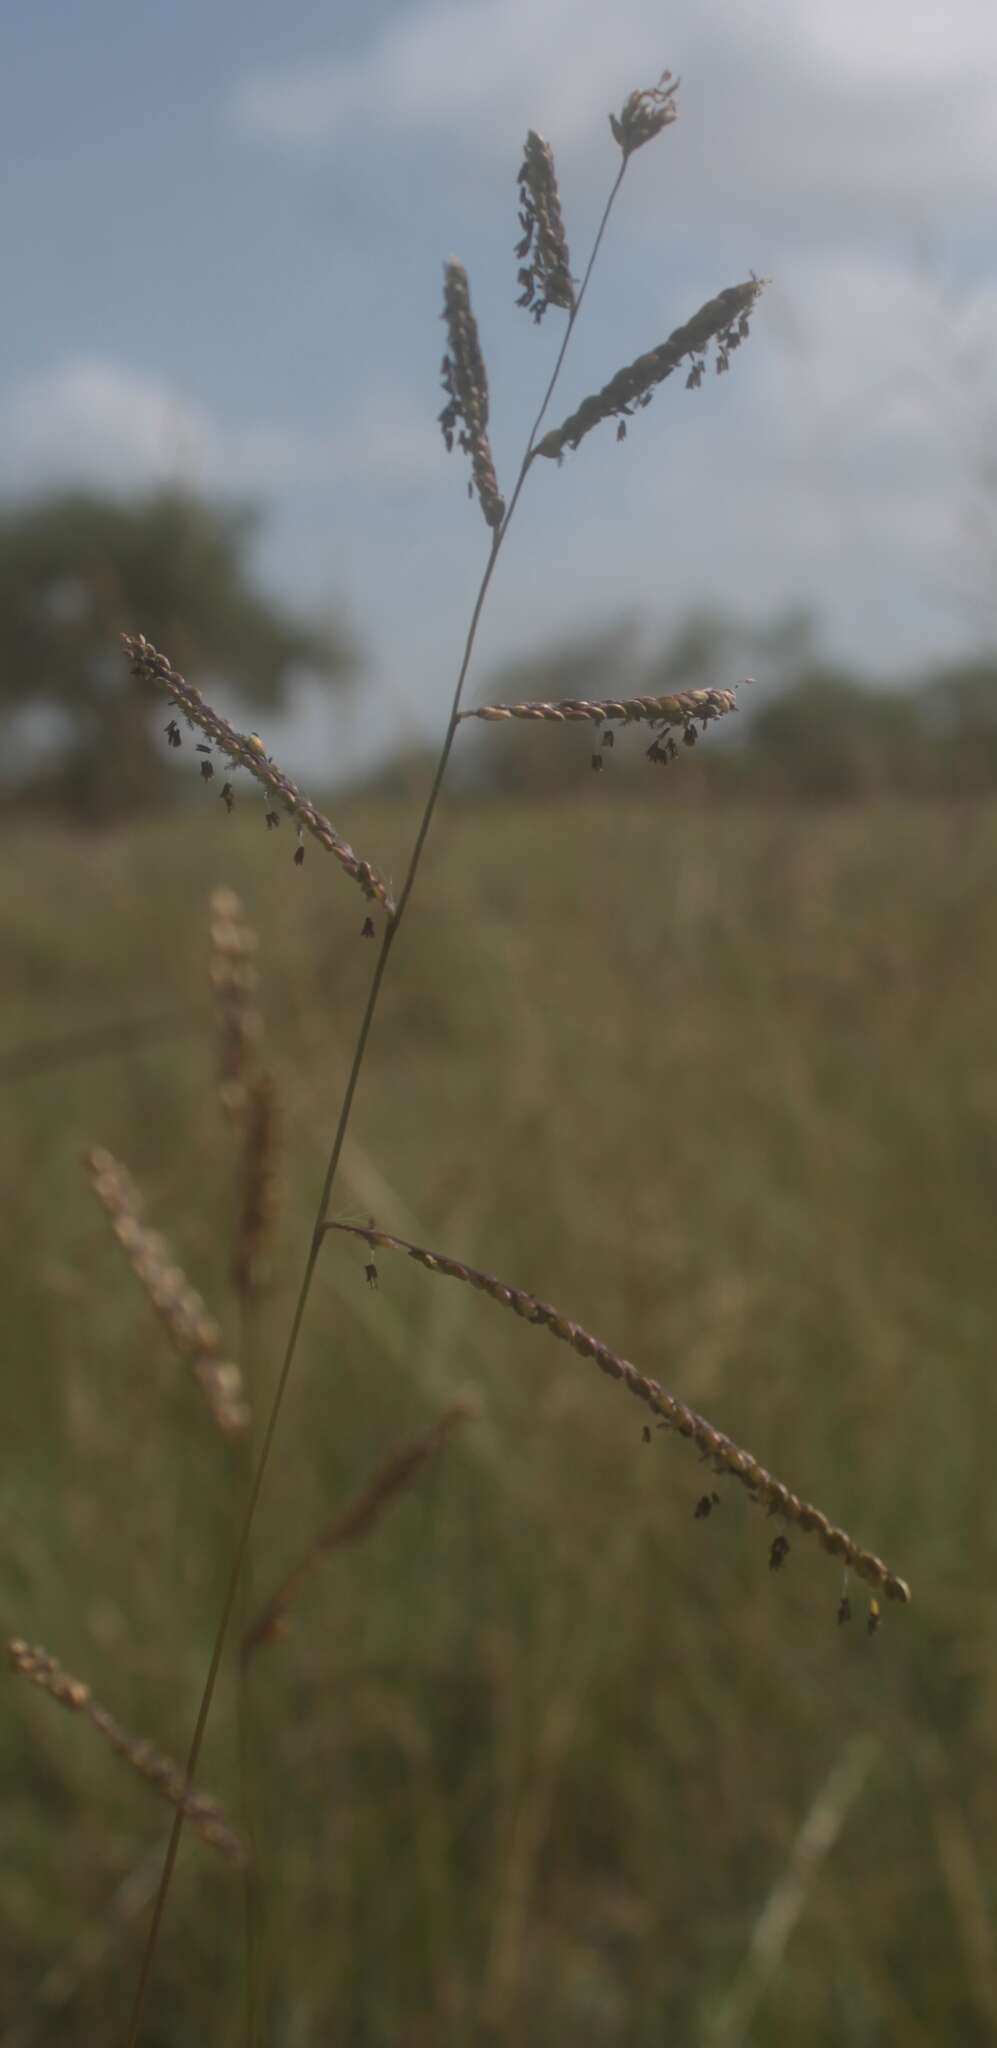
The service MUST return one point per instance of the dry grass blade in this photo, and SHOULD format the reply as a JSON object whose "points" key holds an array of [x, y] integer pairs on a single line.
{"points": [[193, 1333], [159, 1771], [466, 384], [724, 320], [391, 1478], [732, 2024], [723, 1453], [546, 278], [245, 750], [234, 981], [644, 114]]}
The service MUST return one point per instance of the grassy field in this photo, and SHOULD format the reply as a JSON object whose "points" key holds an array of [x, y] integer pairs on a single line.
{"points": [[546, 1759]]}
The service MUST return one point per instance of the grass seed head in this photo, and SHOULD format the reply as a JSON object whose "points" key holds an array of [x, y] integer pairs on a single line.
{"points": [[680, 708], [724, 320], [234, 981], [465, 415], [193, 1333], [246, 750], [545, 261], [354, 1521], [205, 1815], [722, 1452], [644, 114]]}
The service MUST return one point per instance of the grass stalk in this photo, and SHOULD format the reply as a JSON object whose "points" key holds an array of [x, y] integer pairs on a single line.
{"points": [[393, 925]]}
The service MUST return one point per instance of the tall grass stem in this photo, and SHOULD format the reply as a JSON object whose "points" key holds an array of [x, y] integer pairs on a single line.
{"points": [[391, 930]]}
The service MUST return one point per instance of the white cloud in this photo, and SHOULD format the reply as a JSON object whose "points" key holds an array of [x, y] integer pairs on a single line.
{"points": [[391, 444], [100, 423], [796, 110], [97, 422], [446, 63], [840, 463]]}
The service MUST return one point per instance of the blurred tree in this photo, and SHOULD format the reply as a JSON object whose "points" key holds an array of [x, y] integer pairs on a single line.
{"points": [[76, 570], [829, 736], [959, 705], [711, 647]]}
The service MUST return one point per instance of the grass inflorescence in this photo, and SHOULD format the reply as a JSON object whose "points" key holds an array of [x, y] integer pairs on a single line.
{"points": [[725, 320], [465, 380], [397, 1472], [723, 1454], [205, 1815], [246, 750], [545, 278], [193, 1333], [248, 1090]]}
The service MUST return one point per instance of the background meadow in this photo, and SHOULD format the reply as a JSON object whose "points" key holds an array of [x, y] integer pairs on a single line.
{"points": [[705, 1057], [541, 1755]]}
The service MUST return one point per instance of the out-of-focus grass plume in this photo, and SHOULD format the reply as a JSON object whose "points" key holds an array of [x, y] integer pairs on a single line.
{"points": [[539, 1754]]}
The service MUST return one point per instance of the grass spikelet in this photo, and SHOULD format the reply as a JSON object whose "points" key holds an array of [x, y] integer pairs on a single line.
{"points": [[681, 710], [367, 1507], [193, 1333], [644, 114], [723, 1453], [205, 1815], [246, 750], [724, 320], [234, 980], [257, 1188], [546, 277], [466, 385]]}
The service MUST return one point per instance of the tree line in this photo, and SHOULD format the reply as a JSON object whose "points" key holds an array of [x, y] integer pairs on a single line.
{"points": [[77, 569]]}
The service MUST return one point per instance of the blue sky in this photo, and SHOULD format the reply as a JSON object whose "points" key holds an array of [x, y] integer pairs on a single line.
{"points": [[222, 233]]}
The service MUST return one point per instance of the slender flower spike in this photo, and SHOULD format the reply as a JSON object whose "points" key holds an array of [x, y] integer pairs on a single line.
{"points": [[645, 114], [246, 750], [193, 1333], [723, 1453], [205, 1815], [466, 385], [356, 1519], [680, 708], [235, 987], [724, 319], [546, 278]]}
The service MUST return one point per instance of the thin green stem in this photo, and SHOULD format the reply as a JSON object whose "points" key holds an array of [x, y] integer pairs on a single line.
{"points": [[249, 1816], [390, 933]]}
